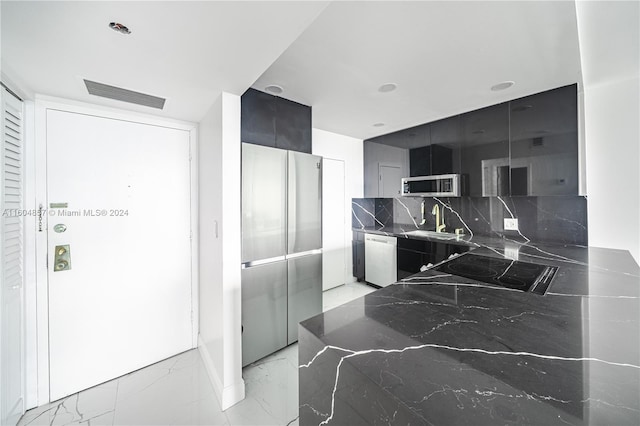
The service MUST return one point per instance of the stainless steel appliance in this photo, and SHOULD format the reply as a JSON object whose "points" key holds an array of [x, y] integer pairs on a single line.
{"points": [[432, 186], [281, 246]]}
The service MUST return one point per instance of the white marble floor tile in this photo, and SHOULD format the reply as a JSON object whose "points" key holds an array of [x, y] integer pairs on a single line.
{"points": [[271, 386], [344, 293], [177, 391]]}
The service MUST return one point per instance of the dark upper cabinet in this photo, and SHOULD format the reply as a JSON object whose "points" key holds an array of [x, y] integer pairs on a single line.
{"points": [[544, 143], [276, 122], [420, 161], [484, 151], [445, 146], [435, 151], [258, 118], [419, 141], [527, 146], [293, 126]]}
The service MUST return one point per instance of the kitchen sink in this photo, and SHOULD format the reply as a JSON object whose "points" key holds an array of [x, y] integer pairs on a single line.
{"points": [[433, 234]]}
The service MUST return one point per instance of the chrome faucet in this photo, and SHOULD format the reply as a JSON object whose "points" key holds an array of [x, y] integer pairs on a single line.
{"points": [[436, 211], [422, 213]]}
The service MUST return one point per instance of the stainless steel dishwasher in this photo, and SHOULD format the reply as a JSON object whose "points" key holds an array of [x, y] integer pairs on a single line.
{"points": [[380, 265]]}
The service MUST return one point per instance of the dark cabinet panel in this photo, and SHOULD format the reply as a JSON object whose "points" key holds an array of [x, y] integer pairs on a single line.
{"points": [[358, 255], [527, 146], [420, 161], [484, 151], [441, 160], [276, 122], [293, 126], [544, 143], [258, 118], [445, 145]]}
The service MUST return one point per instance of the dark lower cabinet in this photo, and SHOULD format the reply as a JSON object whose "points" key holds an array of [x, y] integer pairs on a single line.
{"points": [[413, 254], [358, 255]]}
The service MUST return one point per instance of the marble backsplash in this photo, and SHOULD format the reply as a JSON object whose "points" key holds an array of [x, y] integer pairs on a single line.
{"points": [[553, 219]]}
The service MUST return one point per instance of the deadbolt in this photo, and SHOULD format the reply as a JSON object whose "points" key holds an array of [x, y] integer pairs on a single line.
{"points": [[61, 266], [62, 258]]}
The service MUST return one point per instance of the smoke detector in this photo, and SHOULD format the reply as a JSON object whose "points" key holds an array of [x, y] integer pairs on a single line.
{"points": [[115, 26]]}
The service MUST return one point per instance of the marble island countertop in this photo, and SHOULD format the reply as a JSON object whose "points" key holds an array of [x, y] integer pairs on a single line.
{"points": [[441, 349]]}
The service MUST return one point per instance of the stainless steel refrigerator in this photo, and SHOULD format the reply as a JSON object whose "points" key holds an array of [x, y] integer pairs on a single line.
{"points": [[281, 246]]}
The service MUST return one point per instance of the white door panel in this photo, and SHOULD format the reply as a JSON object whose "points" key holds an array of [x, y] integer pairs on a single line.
{"points": [[390, 181], [333, 224], [126, 301]]}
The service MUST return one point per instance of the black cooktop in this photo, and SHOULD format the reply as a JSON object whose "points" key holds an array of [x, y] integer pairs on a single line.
{"points": [[513, 274]]}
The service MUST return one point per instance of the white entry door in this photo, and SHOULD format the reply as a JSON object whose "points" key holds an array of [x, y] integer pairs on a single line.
{"points": [[333, 224], [119, 273]]}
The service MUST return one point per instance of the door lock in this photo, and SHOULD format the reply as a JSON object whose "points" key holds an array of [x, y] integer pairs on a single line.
{"points": [[62, 258]]}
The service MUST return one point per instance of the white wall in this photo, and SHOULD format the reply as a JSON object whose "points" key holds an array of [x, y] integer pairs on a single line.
{"points": [[610, 53], [220, 341], [349, 150]]}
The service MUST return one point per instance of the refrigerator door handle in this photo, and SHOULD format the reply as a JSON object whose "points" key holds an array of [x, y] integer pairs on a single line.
{"points": [[303, 253], [292, 199], [262, 261]]}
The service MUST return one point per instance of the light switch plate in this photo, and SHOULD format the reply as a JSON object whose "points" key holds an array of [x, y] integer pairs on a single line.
{"points": [[510, 224]]}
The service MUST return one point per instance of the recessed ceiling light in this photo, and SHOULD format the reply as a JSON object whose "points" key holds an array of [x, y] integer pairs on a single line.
{"points": [[119, 28], [502, 86], [387, 87], [521, 108], [378, 125], [275, 89]]}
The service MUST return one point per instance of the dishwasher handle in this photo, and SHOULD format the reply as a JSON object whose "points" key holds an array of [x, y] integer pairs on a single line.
{"points": [[380, 239]]}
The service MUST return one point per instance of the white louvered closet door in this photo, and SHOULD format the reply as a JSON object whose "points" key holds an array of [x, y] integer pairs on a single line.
{"points": [[11, 248]]}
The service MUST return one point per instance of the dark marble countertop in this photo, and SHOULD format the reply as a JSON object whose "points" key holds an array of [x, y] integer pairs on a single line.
{"points": [[440, 349], [499, 242]]}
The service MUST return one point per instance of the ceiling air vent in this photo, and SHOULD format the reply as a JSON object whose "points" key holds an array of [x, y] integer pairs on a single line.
{"points": [[124, 95]]}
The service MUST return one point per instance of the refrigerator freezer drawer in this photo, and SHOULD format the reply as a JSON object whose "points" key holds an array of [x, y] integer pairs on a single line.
{"points": [[264, 310], [304, 202], [304, 291], [264, 201]]}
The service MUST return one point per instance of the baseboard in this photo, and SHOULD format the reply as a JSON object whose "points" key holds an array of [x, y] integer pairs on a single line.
{"points": [[227, 396]]}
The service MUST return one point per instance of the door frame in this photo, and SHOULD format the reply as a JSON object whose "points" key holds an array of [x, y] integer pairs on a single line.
{"points": [[40, 379]]}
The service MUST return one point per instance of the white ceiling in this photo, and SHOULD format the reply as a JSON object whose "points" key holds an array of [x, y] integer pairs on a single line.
{"points": [[187, 52], [444, 56]]}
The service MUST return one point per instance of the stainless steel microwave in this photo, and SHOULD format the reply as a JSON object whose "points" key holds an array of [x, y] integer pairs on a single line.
{"points": [[431, 186]]}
